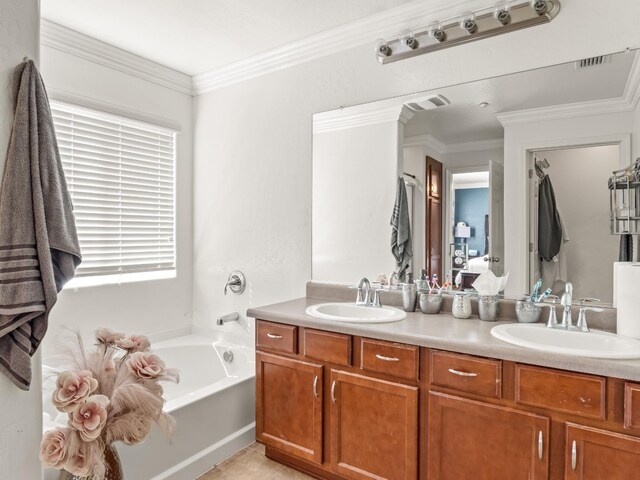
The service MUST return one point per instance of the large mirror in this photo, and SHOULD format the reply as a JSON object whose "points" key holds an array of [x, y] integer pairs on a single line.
{"points": [[508, 173]]}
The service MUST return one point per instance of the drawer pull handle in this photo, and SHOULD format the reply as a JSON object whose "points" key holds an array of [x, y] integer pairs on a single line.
{"points": [[462, 374], [274, 336], [540, 445], [333, 392], [387, 359], [574, 455], [315, 386]]}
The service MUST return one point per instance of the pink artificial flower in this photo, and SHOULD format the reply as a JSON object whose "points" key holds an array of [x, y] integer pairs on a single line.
{"points": [[72, 389], [108, 337], [135, 343], [142, 343], [53, 449], [146, 365], [89, 418]]}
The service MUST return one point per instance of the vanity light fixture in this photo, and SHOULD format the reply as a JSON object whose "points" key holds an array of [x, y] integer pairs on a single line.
{"points": [[504, 17]]}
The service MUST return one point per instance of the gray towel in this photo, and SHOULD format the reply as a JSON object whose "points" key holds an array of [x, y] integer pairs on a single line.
{"points": [[39, 249], [401, 231], [549, 223]]}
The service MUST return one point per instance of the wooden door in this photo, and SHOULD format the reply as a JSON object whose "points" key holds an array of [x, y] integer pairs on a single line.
{"points": [[433, 222], [374, 428], [475, 440], [289, 405], [593, 454]]}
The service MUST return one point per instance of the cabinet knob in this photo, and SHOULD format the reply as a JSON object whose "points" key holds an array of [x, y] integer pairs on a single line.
{"points": [[574, 455]]}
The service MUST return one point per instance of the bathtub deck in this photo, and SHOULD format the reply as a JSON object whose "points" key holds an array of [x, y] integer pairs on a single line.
{"points": [[251, 464]]}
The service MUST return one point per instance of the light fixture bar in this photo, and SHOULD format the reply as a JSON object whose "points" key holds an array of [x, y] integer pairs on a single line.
{"points": [[522, 15]]}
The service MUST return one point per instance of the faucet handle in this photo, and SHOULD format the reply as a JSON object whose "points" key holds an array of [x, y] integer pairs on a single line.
{"points": [[376, 303], [359, 299], [582, 301], [582, 317], [552, 322]]}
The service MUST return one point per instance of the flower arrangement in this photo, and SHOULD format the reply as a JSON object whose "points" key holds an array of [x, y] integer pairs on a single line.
{"points": [[110, 394]]}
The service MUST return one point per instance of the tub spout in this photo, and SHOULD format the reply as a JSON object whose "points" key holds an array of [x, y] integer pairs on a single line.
{"points": [[230, 317]]}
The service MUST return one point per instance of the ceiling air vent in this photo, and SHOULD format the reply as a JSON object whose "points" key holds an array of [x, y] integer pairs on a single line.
{"points": [[593, 61], [429, 103]]}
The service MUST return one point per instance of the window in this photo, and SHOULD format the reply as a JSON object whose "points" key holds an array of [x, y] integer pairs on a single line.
{"points": [[120, 174]]}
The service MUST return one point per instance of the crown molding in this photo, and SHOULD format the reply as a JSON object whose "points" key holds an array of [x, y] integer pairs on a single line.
{"points": [[386, 24], [626, 103], [438, 146], [343, 119], [74, 43]]}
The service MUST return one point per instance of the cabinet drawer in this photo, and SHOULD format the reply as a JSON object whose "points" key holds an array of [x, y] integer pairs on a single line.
{"points": [[465, 373], [274, 336], [327, 347], [632, 405], [390, 358], [567, 392]]}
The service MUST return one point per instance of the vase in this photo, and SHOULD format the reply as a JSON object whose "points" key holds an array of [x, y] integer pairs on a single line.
{"points": [[111, 462]]}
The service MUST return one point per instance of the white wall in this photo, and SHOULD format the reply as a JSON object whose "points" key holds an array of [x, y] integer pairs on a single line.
{"points": [[354, 188], [252, 149], [21, 417], [579, 177], [149, 307], [535, 136]]}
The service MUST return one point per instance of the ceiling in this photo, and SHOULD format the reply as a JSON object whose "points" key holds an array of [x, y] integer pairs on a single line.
{"points": [[196, 36], [470, 180], [464, 121]]}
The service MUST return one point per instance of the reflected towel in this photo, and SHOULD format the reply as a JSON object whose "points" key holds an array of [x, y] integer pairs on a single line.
{"points": [[39, 249], [401, 231]]}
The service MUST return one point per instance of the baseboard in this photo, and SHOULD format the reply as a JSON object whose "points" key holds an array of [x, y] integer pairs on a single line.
{"points": [[206, 459]]}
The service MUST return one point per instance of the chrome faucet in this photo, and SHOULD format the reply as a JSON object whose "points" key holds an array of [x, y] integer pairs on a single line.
{"points": [[230, 317], [364, 295], [552, 322], [565, 301]]}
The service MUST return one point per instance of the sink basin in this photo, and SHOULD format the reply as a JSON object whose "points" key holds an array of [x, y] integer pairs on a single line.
{"points": [[595, 343], [352, 313]]}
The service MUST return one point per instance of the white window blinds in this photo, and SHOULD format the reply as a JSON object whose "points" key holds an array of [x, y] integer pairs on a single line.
{"points": [[120, 174]]}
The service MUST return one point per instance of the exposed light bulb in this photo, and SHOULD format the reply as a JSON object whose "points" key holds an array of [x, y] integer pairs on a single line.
{"points": [[540, 6], [502, 13], [436, 31], [382, 48], [409, 39], [468, 22]]}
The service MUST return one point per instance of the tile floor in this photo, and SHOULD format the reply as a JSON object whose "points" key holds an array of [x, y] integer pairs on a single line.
{"points": [[251, 464]]}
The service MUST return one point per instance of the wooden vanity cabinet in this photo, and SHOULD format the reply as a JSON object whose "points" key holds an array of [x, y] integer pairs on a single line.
{"points": [[594, 454], [289, 406], [384, 442], [480, 441], [342, 407]]}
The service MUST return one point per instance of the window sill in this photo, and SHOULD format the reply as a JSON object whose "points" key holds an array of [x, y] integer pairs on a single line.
{"points": [[119, 279]]}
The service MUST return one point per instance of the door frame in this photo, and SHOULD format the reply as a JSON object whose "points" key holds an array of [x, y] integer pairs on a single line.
{"points": [[447, 231], [622, 140]]}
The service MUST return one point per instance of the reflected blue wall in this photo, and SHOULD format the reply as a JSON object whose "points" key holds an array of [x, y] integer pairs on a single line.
{"points": [[472, 204]]}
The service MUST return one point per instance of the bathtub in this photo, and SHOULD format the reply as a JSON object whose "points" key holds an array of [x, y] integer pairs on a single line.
{"points": [[214, 407]]}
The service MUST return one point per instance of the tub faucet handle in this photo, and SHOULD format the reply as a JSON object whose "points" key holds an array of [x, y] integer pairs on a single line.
{"points": [[236, 282]]}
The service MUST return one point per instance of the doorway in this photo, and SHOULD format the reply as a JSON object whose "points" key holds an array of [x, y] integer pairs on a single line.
{"points": [[583, 249]]}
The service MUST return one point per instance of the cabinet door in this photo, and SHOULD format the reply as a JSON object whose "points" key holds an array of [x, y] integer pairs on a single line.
{"points": [[593, 454], [289, 405], [374, 428], [475, 440]]}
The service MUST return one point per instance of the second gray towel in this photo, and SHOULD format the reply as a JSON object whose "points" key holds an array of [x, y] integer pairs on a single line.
{"points": [[401, 231]]}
